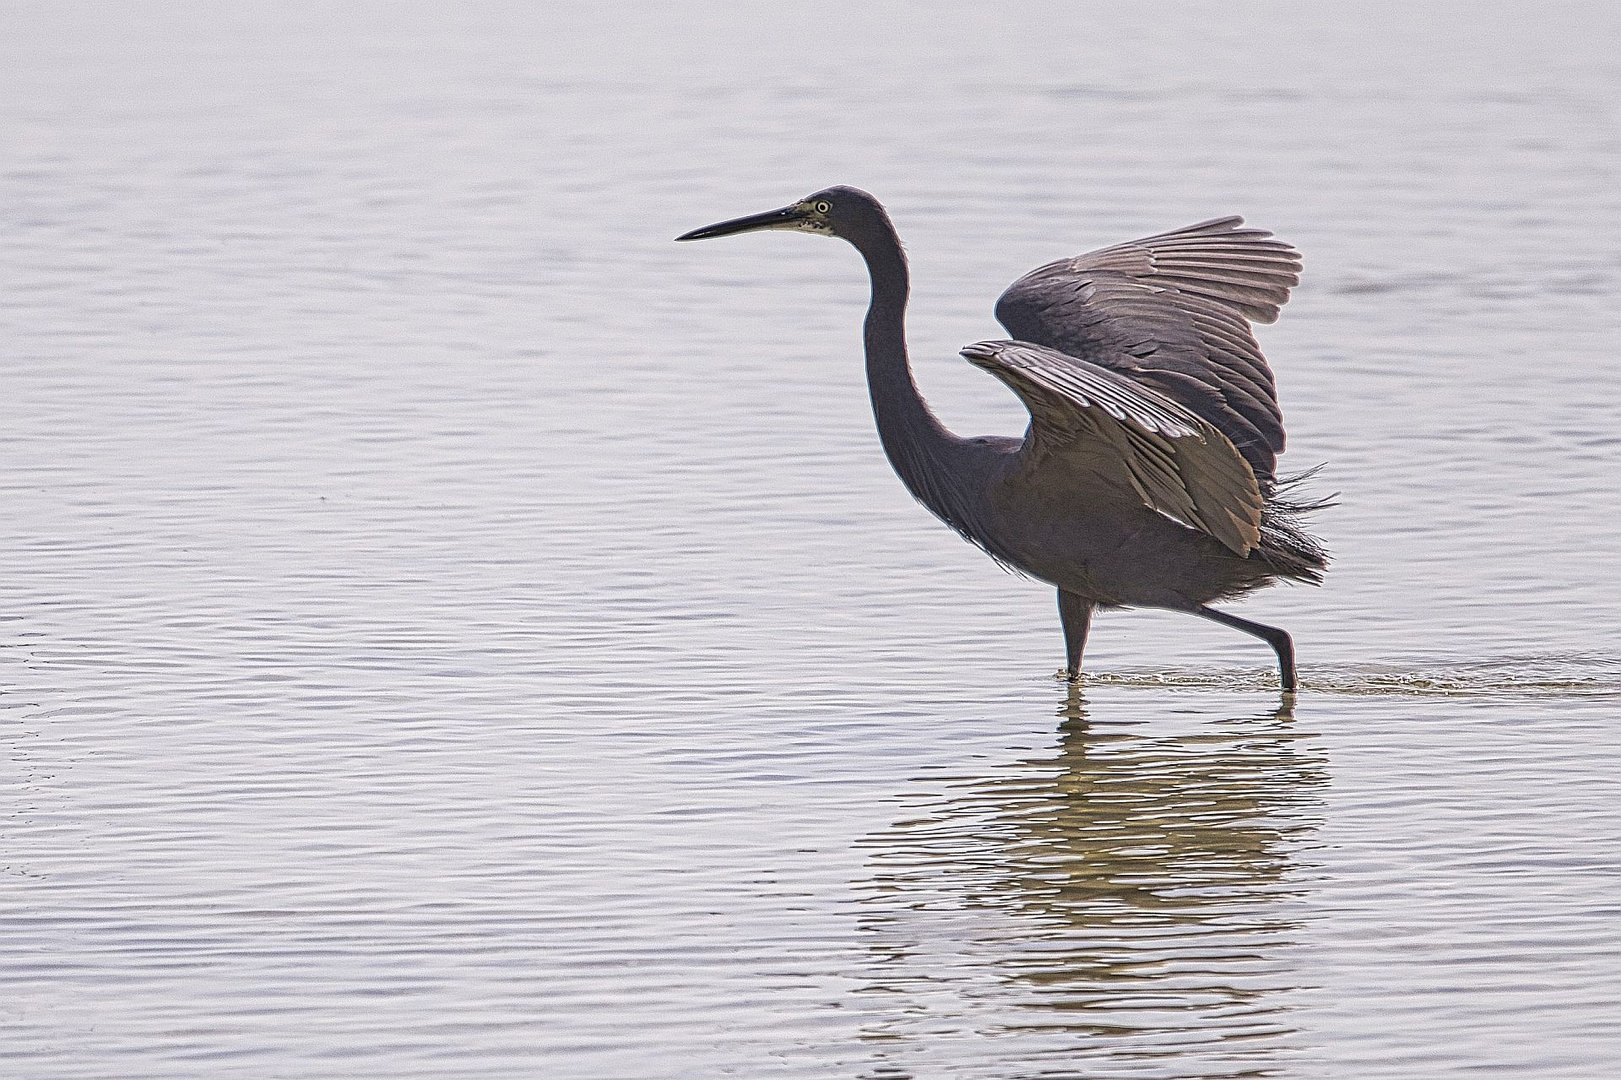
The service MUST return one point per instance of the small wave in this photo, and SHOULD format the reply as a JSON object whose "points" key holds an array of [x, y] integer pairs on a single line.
{"points": [[1527, 676]]}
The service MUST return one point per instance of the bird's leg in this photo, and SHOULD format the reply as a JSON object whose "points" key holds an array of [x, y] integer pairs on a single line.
{"points": [[1076, 615], [1280, 641]]}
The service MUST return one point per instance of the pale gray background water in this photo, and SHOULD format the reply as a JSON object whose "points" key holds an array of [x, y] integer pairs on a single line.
{"points": [[453, 631]]}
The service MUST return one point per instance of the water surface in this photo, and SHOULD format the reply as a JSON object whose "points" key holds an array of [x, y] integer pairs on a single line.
{"points": [[451, 630]]}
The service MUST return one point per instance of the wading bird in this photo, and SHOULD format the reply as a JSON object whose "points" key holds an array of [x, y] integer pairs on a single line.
{"points": [[1146, 477]]}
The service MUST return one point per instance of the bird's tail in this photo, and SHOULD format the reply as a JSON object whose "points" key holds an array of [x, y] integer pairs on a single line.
{"points": [[1286, 547]]}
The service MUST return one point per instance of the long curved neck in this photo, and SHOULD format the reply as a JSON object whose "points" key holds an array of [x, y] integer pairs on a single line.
{"points": [[917, 444]]}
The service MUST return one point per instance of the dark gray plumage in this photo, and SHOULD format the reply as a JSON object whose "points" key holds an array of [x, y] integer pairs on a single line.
{"points": [[1170, 311], [1148, 474]]}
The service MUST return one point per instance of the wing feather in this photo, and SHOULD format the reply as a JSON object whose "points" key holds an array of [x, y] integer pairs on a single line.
{"points": [[1173, 312], [1177, 462]]}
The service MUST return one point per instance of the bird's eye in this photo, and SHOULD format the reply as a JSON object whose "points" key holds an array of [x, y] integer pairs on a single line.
{"points": [[822, 206]]}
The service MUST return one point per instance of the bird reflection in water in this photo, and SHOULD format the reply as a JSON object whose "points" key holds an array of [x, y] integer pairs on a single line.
{"points": [[1122, 900]]}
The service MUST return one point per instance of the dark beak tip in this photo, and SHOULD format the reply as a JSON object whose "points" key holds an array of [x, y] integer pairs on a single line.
{"points": [[768, 220]]}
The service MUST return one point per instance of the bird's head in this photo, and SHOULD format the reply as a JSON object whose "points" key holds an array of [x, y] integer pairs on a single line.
{"points": [[835, 211]]}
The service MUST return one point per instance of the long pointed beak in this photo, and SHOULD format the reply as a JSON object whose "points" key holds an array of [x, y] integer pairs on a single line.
{"points": [[785, 218]]}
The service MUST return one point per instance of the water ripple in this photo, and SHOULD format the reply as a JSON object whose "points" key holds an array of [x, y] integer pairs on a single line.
{"points": [[1527, 677]]}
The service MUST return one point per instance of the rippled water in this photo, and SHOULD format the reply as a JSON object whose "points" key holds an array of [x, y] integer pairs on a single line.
{"points": [[451, 630]]}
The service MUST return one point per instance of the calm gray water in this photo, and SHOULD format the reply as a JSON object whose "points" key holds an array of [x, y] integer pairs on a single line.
{"points": [[451, 630]]}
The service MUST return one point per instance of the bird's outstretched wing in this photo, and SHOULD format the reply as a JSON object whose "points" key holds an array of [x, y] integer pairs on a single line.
{"points": [[1173, 312], [1178, 463]]}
